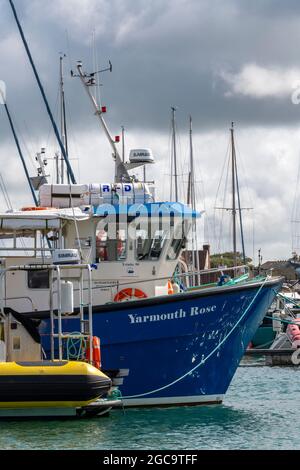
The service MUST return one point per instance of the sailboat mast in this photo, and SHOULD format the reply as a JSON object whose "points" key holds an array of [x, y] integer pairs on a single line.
{"points": [[56, 159], [233, 166], [63, 121], [240, 213], [62, 117], [195, 257], [174, 151], [192, 179]]}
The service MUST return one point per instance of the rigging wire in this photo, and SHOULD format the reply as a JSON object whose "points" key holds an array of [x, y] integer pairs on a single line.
{"points": [[96, 66], [240, 212], [24, 144], [20, 153], [9, 206], [5, 193], [250, 198], [68, 46], [215, 225], [221, 240], [50, 136], [181, 165], [33, 143], [295, 211], [200, 195]]}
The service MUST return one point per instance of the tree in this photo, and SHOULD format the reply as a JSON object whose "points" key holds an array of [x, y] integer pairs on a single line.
{"points": [[228, 259]]}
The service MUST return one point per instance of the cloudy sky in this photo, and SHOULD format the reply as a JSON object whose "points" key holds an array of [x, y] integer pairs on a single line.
{"points": [[218, 60]]}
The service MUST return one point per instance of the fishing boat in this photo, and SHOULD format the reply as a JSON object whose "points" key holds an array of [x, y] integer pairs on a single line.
{"points": [[181, 345]]}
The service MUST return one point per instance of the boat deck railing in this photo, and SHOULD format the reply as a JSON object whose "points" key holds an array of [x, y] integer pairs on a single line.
{"points": [[56, 274], [238, 274], [235, 275]]}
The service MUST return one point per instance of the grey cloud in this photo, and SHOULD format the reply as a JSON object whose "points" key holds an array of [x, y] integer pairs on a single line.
{"points": [[169, 53], [164, 53]]}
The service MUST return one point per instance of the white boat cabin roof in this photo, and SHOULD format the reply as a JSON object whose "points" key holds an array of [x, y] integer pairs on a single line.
{"points": [[39, 219]]}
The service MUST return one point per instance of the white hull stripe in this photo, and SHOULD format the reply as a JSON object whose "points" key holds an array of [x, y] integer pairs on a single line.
{"points": [[167, 401]]}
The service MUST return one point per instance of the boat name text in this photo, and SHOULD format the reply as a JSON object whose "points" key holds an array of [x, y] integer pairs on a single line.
{"points": [[156, 317]]}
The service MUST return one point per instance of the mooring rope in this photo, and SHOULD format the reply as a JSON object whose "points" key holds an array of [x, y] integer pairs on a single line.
{"points": [[203, 361]]}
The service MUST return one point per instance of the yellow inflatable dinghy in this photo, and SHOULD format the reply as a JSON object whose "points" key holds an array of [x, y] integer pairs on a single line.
{"points": [[50, 384]]}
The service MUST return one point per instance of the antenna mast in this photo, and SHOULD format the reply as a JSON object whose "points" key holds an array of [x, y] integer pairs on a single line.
{"points": [[121, 174], [123, 144]]}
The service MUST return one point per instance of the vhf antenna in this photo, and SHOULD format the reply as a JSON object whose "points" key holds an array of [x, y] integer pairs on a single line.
{"points": [[91, 76]]}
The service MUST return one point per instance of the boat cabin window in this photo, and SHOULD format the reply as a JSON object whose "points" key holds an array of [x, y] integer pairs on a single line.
{"points": [[38, 279], [178, 243], [110, 247], [149, 246]]}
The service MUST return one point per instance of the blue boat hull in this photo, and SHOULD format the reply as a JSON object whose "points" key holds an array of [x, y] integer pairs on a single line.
{"points": [[180, 349]]}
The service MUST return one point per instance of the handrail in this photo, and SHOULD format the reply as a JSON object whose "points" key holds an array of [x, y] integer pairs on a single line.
{"points": [[166, 278], [117, 284]]}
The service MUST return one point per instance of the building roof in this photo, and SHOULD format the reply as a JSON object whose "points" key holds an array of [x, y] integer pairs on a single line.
{"points": [[277, 264]]}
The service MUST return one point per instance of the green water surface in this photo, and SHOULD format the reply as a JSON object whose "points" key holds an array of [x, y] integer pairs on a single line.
{"points": [[260, 412]]}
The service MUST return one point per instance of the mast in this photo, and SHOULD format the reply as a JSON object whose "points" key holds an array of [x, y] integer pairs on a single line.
{"points": [[259, 260], [56, 159], [188, 198], [42, 163], [240, 214], [195, 255], [70, 171], [233, 168], [62, 118], [123, 144], [121, 174], [174, 153], [234, 208]]}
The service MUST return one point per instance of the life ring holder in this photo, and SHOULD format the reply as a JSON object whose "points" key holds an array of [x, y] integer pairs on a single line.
{"points": [[130, 293]]}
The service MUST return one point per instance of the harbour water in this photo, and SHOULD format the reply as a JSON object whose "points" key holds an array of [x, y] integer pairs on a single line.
{"points": [[260, 412]]}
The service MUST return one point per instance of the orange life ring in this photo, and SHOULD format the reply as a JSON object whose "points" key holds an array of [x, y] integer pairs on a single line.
{"points": [[129, 293], [96, 355], [25, 209]]}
